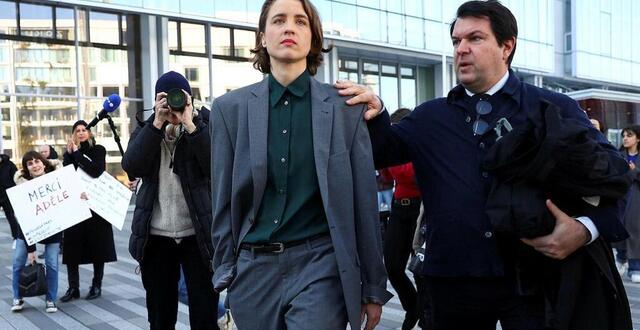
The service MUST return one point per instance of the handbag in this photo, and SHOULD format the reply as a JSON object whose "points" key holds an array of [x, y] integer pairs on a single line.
{"points": [[415, 264], [32, 280]]}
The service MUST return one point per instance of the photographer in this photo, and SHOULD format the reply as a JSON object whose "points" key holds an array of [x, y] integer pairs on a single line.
{"points": [[172, 220]]}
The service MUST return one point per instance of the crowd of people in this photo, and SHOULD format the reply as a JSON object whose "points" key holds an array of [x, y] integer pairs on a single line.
{"points": [[509, 192]]}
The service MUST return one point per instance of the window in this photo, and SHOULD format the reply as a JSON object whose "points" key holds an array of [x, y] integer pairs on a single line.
{"points": [[191, 74], [369, 24], [173, 35], [36, 21], [108, 90], [104, 28], [220, 41], [8, 10], [65, 28], [243, 42], [192, 38]]}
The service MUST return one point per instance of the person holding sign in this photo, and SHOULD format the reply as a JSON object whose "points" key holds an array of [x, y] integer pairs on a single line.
{"points": [[172, 221], [33, 166], [90, 241]]}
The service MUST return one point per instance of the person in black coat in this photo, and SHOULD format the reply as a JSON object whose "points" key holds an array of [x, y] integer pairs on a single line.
{"points": [[172, 220], [7, 171], [90, 241]]}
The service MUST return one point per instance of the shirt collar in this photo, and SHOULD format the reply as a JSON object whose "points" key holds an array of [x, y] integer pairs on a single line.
{"points": [[510, 87], [298, 87], [495, 87]]}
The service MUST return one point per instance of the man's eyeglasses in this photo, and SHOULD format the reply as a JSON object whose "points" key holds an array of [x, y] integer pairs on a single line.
{"points": [[480, 126]]}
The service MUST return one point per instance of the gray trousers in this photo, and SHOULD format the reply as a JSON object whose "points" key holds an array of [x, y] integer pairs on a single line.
{"points": [[297, 289]]}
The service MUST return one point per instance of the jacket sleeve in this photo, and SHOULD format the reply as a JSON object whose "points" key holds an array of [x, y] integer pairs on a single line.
{"points": [[12, 169], [607, 217], [144, 144], [94, 165], [372, 272], [200, 142], [222, 159], [389, 149]]}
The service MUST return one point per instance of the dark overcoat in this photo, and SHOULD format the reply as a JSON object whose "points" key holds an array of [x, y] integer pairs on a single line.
{"points": [[90, 241], [631, 217]]}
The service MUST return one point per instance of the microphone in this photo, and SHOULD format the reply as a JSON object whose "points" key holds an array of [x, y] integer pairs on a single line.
{"points": [[110, 105]]}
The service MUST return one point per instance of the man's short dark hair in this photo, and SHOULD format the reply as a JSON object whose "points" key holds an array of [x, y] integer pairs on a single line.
{"points": [[261, 60], [503, 23]]}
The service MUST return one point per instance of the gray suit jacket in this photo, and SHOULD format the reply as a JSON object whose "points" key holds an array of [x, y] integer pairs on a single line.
{"points": [[346, 177]]}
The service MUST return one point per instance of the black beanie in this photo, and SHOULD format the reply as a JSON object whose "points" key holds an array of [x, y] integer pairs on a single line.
{"points": [[79, 122], [171, 80]]}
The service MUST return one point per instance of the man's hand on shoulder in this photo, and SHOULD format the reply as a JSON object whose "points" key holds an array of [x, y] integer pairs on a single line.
{"points": [[568, 235], [361, 95]]}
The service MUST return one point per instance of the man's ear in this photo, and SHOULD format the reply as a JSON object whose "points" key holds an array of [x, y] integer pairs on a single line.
{"points": [[507, 48]]}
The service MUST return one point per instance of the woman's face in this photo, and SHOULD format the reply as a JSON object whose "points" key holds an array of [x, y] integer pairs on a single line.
{"points": [[629, 139], [81, 133], [35, 167], [287, 33]]}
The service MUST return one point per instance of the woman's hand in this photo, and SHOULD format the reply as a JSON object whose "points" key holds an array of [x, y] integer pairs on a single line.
{"points": [[71, 146], [31, 257]]}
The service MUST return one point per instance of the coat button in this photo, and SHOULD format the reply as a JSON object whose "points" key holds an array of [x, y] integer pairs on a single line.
{"points": [[481, 145], [485, 175], [286, 102], [468, 119], [276, 221], [488, 234]]}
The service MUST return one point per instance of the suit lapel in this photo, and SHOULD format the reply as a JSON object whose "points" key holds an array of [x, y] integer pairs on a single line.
{"points": [[322, 124], [258, 110]]}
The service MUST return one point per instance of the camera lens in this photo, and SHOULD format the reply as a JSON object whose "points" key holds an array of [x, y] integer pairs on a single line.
{"points": [[176, 99]]}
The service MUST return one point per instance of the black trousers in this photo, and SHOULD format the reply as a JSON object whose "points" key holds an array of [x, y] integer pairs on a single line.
{"points": [[11, 217], [160, 270], [478, 303], [397, 249], [73, 275]]}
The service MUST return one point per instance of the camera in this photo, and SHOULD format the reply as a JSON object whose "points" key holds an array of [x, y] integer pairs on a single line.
{"points": [[176, 99]]}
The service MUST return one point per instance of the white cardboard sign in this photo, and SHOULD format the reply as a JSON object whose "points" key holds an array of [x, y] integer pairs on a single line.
{"points": [[107, 197], [49, 204]]}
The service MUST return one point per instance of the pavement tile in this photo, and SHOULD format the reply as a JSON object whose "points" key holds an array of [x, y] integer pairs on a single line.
{"points": [[123, 306]]}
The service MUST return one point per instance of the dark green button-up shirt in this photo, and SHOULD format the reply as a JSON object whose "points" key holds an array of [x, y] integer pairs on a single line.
{"points": [[291, 208]]}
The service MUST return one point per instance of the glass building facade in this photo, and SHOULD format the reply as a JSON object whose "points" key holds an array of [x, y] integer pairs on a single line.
{"points": [[60, 59]]}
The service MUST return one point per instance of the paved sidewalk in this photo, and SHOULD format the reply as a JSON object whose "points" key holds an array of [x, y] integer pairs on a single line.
{"points": [[122, 305]]}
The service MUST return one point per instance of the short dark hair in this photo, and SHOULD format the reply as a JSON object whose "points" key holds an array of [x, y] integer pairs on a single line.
{"points": [[397, 116], [261, 60], [503, 24], [31, 155]]}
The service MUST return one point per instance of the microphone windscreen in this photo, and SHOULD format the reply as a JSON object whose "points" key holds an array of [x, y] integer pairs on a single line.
{"points": [[111, 103]]}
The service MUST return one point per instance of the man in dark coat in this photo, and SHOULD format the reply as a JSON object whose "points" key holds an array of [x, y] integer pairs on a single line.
{"points": [[469, 268], [7, 170], [172, 221]]}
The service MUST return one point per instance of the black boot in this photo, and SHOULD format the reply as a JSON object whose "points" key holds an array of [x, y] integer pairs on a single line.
{"points": [[72, 293], [94, 292]]}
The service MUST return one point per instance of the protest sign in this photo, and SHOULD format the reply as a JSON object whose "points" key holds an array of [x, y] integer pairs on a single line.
{"points": [[49, 204], [107, 197]]}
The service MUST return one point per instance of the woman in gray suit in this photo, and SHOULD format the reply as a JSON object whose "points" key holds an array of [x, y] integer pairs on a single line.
{"points": [[631, 247], [295, 223]]}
